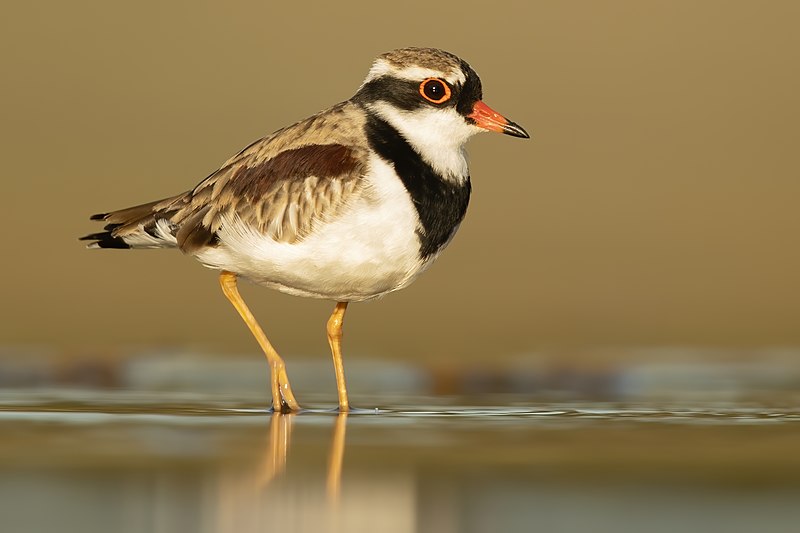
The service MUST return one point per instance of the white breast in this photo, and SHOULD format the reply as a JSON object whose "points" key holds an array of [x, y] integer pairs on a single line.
{"points": [[371, 248]]}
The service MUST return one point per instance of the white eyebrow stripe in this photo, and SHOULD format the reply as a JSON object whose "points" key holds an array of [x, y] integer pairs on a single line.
{"points": [[382, 67]]}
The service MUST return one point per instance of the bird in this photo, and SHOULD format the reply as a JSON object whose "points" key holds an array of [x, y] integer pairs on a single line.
{"points": [[347, 205]]}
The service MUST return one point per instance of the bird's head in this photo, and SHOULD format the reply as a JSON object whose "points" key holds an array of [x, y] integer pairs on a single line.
{"points": [[431, 96]]}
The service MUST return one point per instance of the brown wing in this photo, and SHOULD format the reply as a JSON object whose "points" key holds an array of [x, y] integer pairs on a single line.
{"points": [[281, 185], [282, 197]]}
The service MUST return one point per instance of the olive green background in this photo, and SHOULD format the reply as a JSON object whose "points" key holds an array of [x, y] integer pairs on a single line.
{"points": [[656, 203]]}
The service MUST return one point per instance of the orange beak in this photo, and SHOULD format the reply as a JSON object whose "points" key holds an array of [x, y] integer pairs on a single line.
{"points": [[487, 118]]}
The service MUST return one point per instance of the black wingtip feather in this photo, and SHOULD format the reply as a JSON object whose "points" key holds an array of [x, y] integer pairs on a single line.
{"points": [[105, 240], [98, 216]]}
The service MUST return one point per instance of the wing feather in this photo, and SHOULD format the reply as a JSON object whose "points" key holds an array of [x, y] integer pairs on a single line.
{"points": [[281, 185]]}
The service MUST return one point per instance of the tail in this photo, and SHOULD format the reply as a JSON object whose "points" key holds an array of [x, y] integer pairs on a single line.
{"points": [[142, 226]]}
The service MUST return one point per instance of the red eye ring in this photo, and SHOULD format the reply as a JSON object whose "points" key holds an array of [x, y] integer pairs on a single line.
{"points": [[435, 90]]}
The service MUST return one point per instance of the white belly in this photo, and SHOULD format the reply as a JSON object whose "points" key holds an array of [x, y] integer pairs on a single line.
{"points": [[370, 249]]}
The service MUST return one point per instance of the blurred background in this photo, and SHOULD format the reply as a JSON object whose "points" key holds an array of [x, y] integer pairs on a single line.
{"points": [[622, 302], [654, 209]]}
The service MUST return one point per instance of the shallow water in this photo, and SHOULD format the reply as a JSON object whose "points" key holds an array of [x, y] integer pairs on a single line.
{"points": [[133, 462]]}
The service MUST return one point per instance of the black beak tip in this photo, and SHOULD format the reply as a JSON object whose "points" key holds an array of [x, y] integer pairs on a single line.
{"points": [[515, 130]]}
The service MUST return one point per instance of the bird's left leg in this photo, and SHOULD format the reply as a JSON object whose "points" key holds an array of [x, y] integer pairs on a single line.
{"points": [[282, 397], [335, 340]]}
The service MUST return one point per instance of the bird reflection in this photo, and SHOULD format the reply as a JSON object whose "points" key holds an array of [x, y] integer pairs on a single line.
{"points": [[276, 453]]}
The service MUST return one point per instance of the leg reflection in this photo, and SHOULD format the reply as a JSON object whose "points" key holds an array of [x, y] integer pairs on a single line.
{"points": [[280, 432], [273, 463], [336, 457]]}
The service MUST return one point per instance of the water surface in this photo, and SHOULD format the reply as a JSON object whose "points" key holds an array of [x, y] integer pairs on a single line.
{"points": [[142, 462]]}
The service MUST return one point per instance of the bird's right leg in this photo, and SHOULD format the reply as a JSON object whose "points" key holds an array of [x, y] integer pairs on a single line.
{"points": [[282, 397]]}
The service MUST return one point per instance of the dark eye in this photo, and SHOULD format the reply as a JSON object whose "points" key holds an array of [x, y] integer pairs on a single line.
{"points": [[434, 90]]}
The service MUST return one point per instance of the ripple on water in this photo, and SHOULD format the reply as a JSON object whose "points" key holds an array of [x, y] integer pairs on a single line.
{"points": [[107, 408]]}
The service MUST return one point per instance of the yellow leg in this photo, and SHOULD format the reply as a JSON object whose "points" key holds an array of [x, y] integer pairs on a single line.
{"points": [[282, 397], [335, 340]]}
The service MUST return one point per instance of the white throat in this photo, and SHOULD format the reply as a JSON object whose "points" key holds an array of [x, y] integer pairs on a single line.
{"points": [[438, 135]]}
